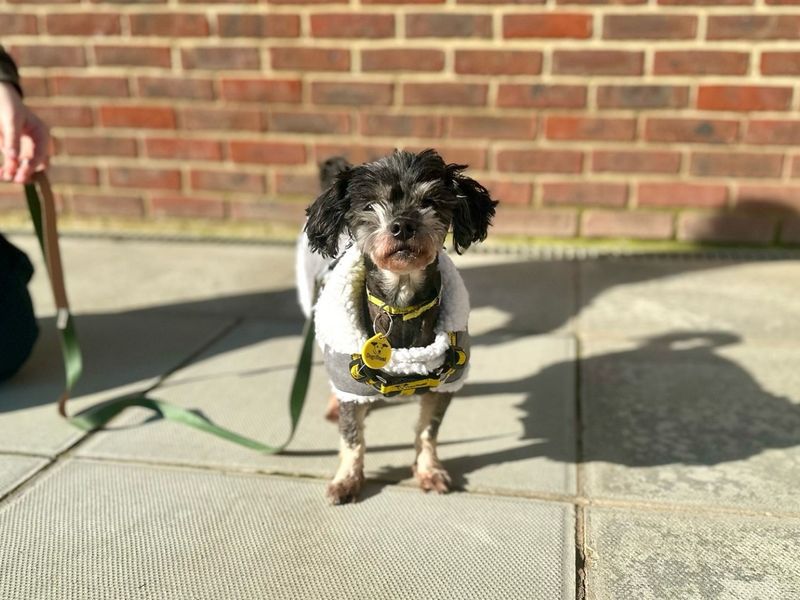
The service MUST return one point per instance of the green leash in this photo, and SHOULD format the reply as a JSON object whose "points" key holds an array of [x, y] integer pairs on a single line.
{"points": [[43, 214]]}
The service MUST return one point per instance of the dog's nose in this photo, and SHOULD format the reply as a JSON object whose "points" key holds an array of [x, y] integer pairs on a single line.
{"points": [[402, 229]]}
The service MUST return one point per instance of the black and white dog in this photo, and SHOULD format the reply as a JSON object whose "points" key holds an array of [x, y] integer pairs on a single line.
{"points": [[392, 316]]}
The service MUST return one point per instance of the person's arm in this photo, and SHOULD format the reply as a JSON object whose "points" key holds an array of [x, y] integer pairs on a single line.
{"points": [[25, 139]]}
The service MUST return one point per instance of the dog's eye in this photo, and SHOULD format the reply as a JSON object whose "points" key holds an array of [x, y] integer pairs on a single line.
{"points": [[427, 202], [369, 208]]}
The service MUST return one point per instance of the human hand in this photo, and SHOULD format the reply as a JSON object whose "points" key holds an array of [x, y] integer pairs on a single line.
{"points": [[24, 138]]}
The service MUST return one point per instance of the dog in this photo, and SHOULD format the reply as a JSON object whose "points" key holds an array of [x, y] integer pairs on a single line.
{"points": [[392, 316]]}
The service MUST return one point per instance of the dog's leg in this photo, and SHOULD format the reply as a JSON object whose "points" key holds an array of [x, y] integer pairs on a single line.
{"points": [[332, 410], [430, 473], [349, 477]]}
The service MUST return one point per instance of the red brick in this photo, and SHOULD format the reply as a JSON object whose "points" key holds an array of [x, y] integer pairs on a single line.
{"points": [[635, 225], [773, 132], [140, 117], [310, 59], [133, 56], [521, 128], [267, 153], [262, 90], [512, 95], [283, 212], [18, 24], [354, 153], [696, 131], [635, 161], [221, 58], [152, 179], [297, 184], [352, 93], [790, 231], [96, 145], [87, 24], [109, 87], [500, 2], [186, 206], [62, 115], [540, 161], [36, 87], [351, 25], [445, 94], [176, 87], [169, 25], [743, 97], [701, 62], [181, 149], [258, 26], [753, 27], [42, 55], [220, 119], [649, 27], [588, 128], [402, 1], [597, 62], [498, 62], [739, 164], [115, 205], [726, 228], [676, 194], [768, 198], [536, 223], [509, 192], [780, 63], [642, 96], [226, 181], [548, 25], [448, 25], [390, 59], [308, 122], [308, 1], [401, 125], [473, 157], [73, 175], [705, 2], [585, 193]]}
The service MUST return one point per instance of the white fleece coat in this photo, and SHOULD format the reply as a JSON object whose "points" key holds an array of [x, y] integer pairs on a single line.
{"points": [[340, 333]]}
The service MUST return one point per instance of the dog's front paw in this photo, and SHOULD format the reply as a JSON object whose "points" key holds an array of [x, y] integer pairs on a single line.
{"points": [[435, 479], [344, 491]]}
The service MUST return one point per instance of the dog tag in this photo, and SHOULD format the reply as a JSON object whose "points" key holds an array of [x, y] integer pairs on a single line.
{"points": [[376, 351]]}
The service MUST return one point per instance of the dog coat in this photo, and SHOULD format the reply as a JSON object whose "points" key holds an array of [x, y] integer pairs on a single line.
{"points": [[341, 334]]}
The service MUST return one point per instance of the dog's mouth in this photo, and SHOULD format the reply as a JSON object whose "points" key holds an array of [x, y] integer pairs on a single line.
{"points": [[401, 257]]}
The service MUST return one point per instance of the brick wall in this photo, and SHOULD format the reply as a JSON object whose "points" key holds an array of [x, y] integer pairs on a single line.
{"points": [[649, 119]]}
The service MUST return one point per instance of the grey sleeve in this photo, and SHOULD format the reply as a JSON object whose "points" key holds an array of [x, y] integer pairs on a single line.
{"points": [[8, 70]]}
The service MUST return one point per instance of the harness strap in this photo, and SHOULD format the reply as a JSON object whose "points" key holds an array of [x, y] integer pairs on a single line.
{"points": [[43, 215], [407, 312], [408, 385]]}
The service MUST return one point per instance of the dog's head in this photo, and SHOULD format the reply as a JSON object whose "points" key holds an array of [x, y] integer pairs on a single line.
{"points": [[399, 209]]}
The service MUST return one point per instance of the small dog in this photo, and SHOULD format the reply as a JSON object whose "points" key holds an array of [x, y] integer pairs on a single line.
{"points": [[392, 315]]}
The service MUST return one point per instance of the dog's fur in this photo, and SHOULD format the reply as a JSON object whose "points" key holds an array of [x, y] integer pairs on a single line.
{"points": [[398, 211]]}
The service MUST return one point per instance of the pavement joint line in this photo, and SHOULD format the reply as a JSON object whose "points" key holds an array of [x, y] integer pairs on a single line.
{"points": [[70, 449], [541, 496], [25, 483], [24, 454]]}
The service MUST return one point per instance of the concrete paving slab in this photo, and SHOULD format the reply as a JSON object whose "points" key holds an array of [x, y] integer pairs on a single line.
{"points": [[694, 417], [122, 353], [107, 530], [227, 280], [14, 469], [641, 296], [512, 428], [660, 556], [513, 296]]}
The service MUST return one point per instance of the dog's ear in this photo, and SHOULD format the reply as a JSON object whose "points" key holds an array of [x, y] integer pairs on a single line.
{"points": [[473, 212], [326, 216]]}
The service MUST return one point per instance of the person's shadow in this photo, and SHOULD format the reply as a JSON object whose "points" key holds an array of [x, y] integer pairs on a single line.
{"points": [[676, 399]]}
